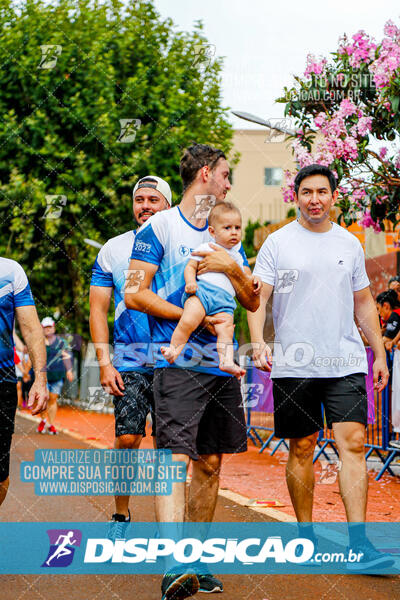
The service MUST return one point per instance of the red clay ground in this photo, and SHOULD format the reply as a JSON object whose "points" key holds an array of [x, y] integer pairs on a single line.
{"points": [[252, 474]]}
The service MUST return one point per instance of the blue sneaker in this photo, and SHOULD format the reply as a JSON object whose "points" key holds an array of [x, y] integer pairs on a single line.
{"points": [[118, 526], [371, 560]]}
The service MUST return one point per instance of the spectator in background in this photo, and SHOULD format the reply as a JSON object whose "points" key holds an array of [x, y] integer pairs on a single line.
{"points": [[59, 365], [19, 373], [394, 284], [389, 313], [27, 377]]}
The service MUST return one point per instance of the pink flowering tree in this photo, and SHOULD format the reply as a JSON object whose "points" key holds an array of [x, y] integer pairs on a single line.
{"points": [[346, 115]]}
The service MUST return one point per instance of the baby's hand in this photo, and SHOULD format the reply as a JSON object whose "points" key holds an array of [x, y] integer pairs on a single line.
{"points": [[257, 284], [191, 288]]}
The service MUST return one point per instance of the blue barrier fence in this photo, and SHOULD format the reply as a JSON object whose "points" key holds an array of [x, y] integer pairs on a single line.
{"points": [[379, 434]]}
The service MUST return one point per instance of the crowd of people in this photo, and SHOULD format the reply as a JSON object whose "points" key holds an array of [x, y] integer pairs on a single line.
{"points": [[174, 346]]}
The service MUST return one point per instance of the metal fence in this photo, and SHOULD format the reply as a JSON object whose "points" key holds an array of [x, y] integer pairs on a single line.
{"points": [[379, 432]]}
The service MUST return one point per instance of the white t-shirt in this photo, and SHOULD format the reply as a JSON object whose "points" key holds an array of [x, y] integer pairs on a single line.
{"points": [[314, 276], [219, 279]]}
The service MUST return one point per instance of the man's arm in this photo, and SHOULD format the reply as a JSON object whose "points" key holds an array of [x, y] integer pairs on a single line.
{"points": [[99, 300], [221, 262], [262, 355], [19, 344], [142, 298], [367, 317], [145, 300], [32, 334]]}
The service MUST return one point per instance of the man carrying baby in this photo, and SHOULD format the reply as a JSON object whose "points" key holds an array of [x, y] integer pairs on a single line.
{"points": [[198, 407], [211, 293]]}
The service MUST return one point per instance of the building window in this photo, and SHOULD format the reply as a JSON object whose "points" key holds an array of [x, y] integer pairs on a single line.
{"points": [[273, 176]]}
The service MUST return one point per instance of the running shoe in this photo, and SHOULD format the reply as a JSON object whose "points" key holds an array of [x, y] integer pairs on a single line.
{"points": [[118, 526], [52, 430], [209, 584], [371, 561], [41, 426], [177, 586]]}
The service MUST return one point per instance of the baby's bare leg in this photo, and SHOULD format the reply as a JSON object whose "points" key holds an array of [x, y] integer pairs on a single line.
{"points": [[225, 345], [193, 314]]}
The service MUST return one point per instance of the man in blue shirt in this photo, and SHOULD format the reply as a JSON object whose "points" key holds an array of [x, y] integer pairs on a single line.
{"points": [[130, 378], [198, 407], [16, 299]]}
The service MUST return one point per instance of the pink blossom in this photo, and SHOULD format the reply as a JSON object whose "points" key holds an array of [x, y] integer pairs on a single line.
{"points": [[396, 161], [359, 194], [320, 119], [361, 50], [303, 156], [313, 66], [387, 62], [288, 188], [382, 152], [367, 221], [323, 156], [364, 125], [347, 107], [390, 30], [350, 149]]}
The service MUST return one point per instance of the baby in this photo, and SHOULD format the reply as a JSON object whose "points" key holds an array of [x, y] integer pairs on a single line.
{"points": [[212, 293]]}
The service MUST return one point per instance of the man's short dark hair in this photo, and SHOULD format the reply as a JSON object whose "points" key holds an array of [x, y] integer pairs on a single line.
{"points": [[196, 157], [388, 296], [315, 170]]}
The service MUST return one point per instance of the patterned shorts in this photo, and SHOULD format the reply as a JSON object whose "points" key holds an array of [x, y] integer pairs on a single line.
{"points": [[132, 408]]}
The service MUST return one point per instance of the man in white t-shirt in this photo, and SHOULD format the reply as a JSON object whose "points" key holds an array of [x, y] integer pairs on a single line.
{"points": [[316, 270]]}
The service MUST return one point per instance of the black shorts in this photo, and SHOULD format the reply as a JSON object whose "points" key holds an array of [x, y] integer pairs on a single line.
{"points": [[297, 403], [8, 406], [132, 408], [198, 413]]}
